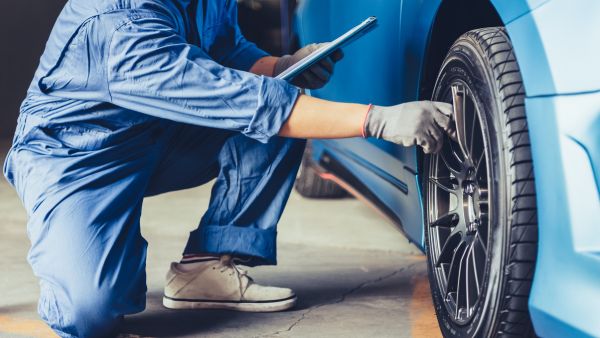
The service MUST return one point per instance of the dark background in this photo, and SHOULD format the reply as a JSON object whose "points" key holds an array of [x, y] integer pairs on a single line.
{"points": [[26, 24], [24, 28]]}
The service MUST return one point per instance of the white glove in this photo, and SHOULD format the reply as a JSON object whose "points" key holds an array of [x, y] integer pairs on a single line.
{"points": [[420, 123]]}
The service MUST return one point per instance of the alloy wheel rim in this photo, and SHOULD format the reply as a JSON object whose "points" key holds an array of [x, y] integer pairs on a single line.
{"points": [[459, 210]]}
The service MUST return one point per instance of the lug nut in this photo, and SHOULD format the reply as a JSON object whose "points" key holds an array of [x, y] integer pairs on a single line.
{"points": [[469, 188]]}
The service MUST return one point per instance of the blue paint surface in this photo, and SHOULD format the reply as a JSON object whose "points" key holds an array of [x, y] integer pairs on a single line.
{"points": [[555, 43]]}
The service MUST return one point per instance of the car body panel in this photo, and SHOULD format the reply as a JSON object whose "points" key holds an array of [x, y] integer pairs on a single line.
{"points": [[558, 57], [554, 42], [509, 10], [397, 187], [565, 291], [561, 73]]}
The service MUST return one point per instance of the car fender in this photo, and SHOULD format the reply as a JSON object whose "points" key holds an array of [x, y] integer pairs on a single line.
{"points": [[554, 43]]}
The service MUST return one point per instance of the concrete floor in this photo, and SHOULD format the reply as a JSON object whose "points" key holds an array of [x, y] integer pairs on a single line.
{"points": [[355, 275]]}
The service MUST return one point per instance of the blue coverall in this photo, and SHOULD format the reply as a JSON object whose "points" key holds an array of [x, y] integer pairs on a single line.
{"points": [[134, 98]]}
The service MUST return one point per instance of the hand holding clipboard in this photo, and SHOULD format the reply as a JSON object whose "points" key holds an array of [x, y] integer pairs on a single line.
{"points": [[318, 55]]}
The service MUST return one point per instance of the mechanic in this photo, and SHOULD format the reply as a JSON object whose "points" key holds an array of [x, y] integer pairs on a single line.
{"points": [[134, 98]]}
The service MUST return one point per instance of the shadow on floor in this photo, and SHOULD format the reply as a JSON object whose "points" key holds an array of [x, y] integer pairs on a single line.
{"points": [[314, 291], [178, 323], [18, 308]]}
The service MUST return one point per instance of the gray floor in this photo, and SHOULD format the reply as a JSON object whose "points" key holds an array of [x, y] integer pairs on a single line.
{"points": [[355, 275]]}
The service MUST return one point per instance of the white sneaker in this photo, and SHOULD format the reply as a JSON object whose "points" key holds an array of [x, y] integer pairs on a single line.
{"points": [[220, 284]]}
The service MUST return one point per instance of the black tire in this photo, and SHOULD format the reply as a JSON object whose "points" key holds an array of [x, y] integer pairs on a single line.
{"points": [[309, 184], [484, 62]]}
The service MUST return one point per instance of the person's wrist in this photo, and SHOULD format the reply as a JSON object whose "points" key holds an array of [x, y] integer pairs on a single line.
{"points": [[274, 67], [364, 133], [375, 121]]}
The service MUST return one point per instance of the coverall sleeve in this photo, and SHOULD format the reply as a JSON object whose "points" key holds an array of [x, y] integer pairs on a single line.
{"points": [[231, 47], [153, 70]]}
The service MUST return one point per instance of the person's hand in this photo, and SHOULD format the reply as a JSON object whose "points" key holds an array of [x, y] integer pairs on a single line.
{"points": [[316, 76], [420, 123]]}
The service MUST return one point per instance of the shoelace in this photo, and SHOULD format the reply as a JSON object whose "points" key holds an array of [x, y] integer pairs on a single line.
{"points": [[229, 264]]}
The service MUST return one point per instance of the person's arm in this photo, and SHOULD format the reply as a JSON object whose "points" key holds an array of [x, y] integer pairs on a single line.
{"points": [[421, 123], [151, 69], [316, 118]]}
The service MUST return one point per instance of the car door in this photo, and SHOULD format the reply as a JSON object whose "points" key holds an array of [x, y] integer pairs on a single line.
{"points": [[381, 68]]}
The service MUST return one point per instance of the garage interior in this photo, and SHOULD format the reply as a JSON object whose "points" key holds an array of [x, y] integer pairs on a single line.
{"points": [[355, 274]]}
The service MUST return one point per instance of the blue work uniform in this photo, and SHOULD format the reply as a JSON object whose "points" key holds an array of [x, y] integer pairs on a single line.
{"points": [[134, 98]]}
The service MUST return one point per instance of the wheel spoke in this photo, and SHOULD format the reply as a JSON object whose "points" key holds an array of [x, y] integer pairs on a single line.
{"points": [[448, 220], [473, 125], [475, 274], [481, 243], [479, 258], [479, 161], [453, 270], [460, 292], [482, 234], [458, 103], [466, 275], [447, 250], [455, 153], [446, 186], [450, 168]]}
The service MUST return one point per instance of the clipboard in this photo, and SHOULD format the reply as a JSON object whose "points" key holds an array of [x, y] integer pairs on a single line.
{"points": [[323, 52]]}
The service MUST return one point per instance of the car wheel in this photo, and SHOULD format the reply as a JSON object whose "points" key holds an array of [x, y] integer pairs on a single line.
{"points": [[309, 184], [481, 216]]}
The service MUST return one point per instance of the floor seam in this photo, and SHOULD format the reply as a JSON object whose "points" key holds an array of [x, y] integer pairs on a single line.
{"points": [[339, 300]]}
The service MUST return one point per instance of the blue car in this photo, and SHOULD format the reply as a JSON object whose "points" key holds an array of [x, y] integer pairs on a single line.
{"points": [[509, 212]]}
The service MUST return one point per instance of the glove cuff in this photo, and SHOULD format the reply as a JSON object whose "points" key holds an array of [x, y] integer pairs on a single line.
{"points": [[282, 64], [364, 124]]}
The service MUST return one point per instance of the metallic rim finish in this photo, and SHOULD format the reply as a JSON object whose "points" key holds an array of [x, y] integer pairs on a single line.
{"points": [[458, 210]]}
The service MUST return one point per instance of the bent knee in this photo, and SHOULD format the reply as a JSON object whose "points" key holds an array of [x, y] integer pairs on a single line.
{"points": [[83, 315]]}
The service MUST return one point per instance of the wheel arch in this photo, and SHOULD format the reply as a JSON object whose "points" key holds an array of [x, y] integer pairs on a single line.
{"points": [[453, 18]]}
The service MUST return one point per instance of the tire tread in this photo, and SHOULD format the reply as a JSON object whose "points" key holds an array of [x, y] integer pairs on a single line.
{"points": [[310, 185], [523, 237]]}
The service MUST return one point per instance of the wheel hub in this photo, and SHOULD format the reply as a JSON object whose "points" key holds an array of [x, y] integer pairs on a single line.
{"points": [[471, 211]]}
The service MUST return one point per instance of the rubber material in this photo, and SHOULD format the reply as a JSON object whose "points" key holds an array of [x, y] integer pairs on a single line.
{"points": [[484, 59], [262, 306], [309, 184]]}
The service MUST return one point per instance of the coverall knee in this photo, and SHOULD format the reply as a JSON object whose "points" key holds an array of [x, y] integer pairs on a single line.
{"points": [[80, 314]]}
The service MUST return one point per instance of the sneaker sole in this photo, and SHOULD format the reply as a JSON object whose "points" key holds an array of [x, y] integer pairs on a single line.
{"points": [[263, 306]]}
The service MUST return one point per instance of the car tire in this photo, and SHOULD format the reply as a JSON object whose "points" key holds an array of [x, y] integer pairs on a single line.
{"points": [[309, 184], [481, 224]]}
